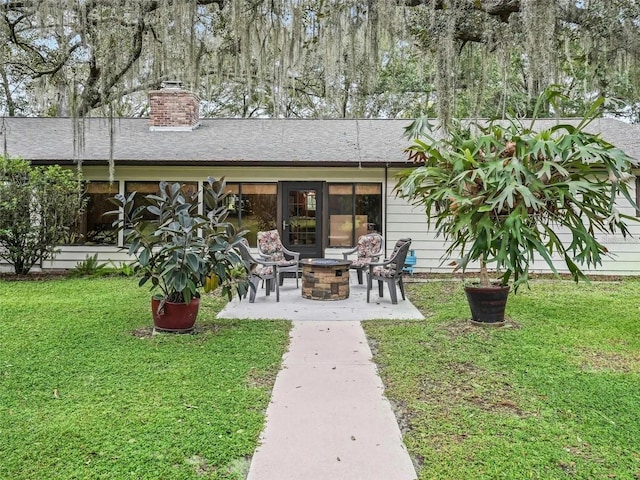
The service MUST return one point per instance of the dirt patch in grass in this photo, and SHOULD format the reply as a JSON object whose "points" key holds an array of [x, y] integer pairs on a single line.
{"points": [[144, 332], [473, 385], [260, 379], [461, 384], [497, 401], [459, 328], [149, 332], [201, 466], [605, 361]]}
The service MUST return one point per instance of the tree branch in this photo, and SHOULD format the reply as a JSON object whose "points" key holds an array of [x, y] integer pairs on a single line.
{"points": [[497, 8]]}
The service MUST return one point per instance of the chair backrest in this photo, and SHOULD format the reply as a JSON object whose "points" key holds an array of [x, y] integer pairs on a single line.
{"points": [[269, 244], [399, 255], [369, 245]]}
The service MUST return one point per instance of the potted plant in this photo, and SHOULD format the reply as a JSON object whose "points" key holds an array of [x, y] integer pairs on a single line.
{"points": [[180, 251], [504, 194]]}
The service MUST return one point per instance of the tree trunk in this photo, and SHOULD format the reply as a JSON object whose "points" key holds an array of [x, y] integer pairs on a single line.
{"points": [[484, 274]]}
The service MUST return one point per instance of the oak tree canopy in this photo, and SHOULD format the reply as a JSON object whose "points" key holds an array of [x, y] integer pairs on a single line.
{"points": [[317, 58]]}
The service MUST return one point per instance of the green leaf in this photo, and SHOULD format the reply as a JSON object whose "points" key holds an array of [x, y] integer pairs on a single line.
{"points": [[193, 261], [144, 257]]}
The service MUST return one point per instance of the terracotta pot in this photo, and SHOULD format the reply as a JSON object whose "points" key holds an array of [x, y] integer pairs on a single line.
{"points": [[175, 317], [487, 304]]}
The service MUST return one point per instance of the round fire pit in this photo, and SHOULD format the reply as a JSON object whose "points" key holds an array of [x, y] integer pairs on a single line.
{"points": [[325, 278]]}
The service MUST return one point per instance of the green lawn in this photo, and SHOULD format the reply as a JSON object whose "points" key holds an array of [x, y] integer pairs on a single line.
{"points": [[87, 392], [553, 395]]}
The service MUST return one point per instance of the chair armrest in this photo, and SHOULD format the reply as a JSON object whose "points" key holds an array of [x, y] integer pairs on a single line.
{"points": [[262, 260], [379, 264], [295, 255], [266, 263], [349, 252]]}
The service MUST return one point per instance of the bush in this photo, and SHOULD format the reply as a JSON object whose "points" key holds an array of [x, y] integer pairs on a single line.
{"points": [[37, 207]]}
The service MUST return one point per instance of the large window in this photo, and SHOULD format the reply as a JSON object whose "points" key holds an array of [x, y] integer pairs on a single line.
{"points": [[190, 189], [354, 210], [253, 207], [94, 227]]}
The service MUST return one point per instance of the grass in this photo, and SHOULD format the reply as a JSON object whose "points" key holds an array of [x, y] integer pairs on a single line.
{"points": [[87, 392], [553, 395]]}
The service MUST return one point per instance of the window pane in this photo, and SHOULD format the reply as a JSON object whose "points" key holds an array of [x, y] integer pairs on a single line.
{"points": [[253, 207], [345, 189], [368, 209], [190, 189], [353, 214], [341, 215], [258, 208], [368, 189], [301, 211], [259, 189], [233, 204], [143, 188], [94, 227]]}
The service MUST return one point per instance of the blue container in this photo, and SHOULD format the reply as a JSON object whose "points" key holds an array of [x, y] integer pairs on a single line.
{"points": [[410, 262]]}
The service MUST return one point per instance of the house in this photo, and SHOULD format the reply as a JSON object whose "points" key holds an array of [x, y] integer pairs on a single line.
{"points": [[322, 183]]}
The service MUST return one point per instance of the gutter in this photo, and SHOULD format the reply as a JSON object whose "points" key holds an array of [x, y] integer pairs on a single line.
{"points": [[386, 178], [219, 163]]}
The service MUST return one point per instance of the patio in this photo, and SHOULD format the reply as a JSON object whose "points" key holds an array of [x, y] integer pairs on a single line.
{"points": [[293, 306]]}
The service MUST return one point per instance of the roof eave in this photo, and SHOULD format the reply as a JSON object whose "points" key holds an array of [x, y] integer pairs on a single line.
{"points": [[229, 163]]}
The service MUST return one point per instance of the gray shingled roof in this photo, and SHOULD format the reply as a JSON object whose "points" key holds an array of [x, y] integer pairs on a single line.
{"points": [[240, 141]]}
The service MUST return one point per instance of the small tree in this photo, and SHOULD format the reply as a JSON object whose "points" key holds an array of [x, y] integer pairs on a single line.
{"points": [[505, 194], [37, 207]]}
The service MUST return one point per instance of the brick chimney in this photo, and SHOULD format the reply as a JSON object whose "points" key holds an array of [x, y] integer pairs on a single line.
{"points": [[173, 109]]}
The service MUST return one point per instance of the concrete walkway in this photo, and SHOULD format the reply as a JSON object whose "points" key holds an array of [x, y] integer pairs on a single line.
{"points": [[328, 418]]}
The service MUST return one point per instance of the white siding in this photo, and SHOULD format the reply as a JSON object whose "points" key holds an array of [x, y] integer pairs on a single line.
{"points": [[69, 256], [405, 220]]}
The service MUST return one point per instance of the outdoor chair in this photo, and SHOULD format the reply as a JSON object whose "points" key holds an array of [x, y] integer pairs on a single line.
{"points": [[369, 249], [390, 271], [259, 271], [270, 247]]}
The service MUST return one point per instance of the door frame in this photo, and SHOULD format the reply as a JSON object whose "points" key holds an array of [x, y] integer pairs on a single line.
{"points": [[284, 187]]}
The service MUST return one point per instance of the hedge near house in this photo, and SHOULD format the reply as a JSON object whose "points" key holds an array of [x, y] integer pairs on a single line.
{"points": [[37, 207]]}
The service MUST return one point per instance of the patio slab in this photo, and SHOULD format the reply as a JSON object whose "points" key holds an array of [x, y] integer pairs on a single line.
{"points": [[293, 307]]}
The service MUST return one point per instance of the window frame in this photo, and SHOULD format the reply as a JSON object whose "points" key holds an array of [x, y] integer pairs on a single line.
{"points": [[240, 200], [82, 223], [354, 214]]}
